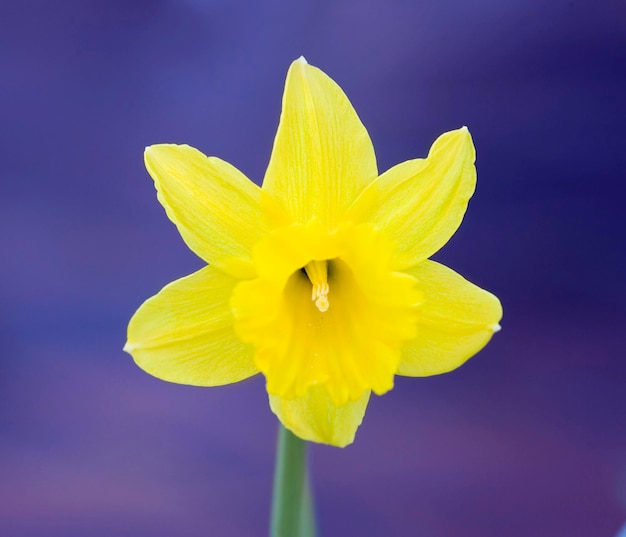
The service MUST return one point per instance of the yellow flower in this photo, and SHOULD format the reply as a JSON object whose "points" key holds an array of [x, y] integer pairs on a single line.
{"points": [[320, 279]]}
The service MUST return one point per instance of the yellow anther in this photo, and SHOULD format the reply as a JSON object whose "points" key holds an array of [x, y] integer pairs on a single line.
{"points": [[317, 271]]}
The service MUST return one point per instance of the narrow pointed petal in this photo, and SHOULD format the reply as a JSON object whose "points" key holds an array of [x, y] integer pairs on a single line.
{"points": [[322, 156], [456, 320], [314, 417], [185, 333], [420, 203], [215, 207]]}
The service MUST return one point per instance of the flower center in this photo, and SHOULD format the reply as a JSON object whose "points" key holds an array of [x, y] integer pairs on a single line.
{"points": [[317, 271], [347, 343]]}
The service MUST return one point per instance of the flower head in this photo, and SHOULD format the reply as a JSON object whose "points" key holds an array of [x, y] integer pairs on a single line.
{"points": [[320, 279]]}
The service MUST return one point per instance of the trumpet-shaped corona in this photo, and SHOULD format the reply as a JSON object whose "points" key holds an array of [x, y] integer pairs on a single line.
{"points": [[328, 312]]}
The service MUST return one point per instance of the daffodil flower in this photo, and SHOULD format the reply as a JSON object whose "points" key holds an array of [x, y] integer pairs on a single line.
{"points": [[320, 279]]}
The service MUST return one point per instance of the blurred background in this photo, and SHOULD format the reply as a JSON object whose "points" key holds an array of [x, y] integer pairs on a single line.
{"points": [[528, 439]]}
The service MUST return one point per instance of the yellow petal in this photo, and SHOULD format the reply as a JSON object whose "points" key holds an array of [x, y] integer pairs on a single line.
{"points": [[322, 156], [420, 203], [315, 417], [185, 333], [216, 208], [456, 320]]}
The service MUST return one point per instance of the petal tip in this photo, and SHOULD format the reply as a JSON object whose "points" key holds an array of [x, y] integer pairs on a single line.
{"points": [[152, 148], [151, 151], [302, 60], [464, 131], [495, 328], [464, 139]]}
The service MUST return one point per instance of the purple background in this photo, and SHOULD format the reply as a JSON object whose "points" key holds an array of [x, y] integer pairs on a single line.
{"points": [[526, 440]]}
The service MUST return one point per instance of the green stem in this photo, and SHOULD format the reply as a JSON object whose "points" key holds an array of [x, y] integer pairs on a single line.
{"points": [[292, 506], [308, 526]]}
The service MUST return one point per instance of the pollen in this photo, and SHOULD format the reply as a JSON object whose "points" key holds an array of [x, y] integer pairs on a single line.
{"points": [[317, 271]]}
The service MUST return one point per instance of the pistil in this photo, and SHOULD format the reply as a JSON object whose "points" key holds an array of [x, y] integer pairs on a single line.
{"points": [[317, 271]]}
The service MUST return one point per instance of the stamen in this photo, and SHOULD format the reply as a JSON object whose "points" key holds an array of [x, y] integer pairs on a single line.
{"points": [[317, 271]]}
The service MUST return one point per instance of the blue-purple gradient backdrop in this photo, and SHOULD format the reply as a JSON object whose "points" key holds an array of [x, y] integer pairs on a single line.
{"points": [[526, 440]]}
